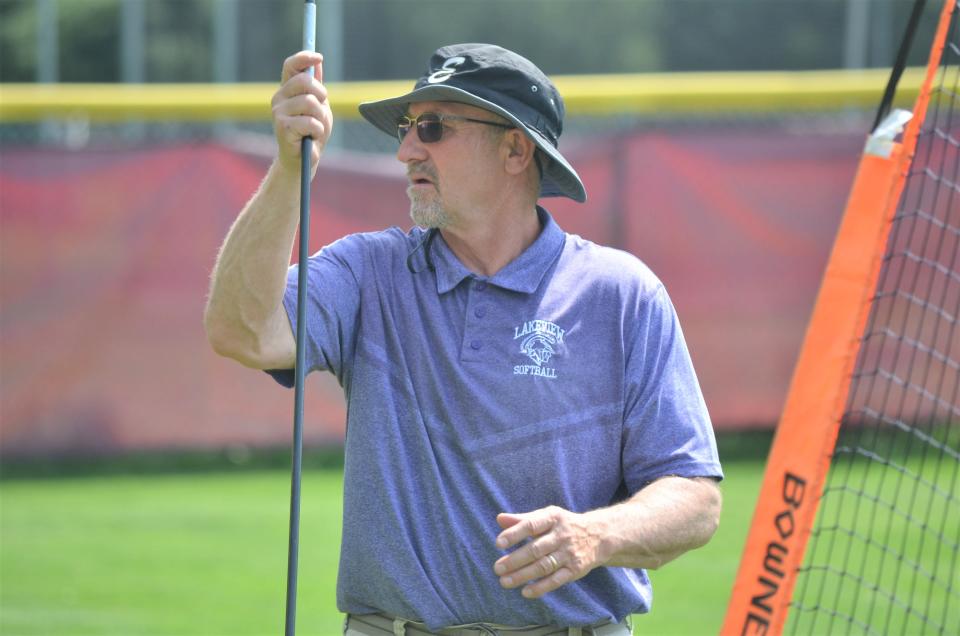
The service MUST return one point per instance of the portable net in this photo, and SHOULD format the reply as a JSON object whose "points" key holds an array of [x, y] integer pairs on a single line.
{"points": [[883, 554], [857, 528]]}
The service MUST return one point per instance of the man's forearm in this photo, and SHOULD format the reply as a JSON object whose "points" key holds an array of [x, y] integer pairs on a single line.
{"points": [[667, 518], [244, 316]]}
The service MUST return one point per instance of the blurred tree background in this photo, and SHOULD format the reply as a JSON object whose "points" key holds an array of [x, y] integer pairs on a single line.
{"points": [[177, 40]]}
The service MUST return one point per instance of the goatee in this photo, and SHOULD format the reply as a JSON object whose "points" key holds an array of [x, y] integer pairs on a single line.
{"points": [[426, 209]]}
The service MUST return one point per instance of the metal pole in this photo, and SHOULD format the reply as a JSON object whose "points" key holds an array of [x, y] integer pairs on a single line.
{"points": [[133, 32], [225, 52], [331, 34], [882, 35], [132, 35], [306, 147], [225, 42], [48, 42], [855, 35], [48, 62]]}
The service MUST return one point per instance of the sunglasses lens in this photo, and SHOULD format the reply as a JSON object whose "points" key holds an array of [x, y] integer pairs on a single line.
{"points": [[429, 128]]}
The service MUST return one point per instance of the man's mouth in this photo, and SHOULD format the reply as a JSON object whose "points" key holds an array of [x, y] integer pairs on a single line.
{"points": [[421, 176], [420, 180]]}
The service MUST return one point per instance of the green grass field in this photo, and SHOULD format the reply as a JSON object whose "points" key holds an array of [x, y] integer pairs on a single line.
{"points": [[206, 554]]}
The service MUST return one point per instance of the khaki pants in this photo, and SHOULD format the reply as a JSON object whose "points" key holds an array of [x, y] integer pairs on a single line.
{"points": [[383, 625]]}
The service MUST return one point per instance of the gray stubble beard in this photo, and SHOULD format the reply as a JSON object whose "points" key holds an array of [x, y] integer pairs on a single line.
{"points": [[427, 211]]}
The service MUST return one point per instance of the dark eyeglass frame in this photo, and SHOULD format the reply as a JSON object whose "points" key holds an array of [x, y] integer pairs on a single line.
{"points": [[430, 125]]}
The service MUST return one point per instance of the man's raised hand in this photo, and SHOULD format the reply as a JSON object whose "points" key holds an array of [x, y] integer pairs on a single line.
{"points": [[301, 109]]}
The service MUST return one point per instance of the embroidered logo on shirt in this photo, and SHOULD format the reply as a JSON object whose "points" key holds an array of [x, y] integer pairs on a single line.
{"points": [[539, 340]]}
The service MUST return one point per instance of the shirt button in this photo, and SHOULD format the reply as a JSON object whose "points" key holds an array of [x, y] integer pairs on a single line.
{"points": [[475, 345], [480, 312], [481, 285]]}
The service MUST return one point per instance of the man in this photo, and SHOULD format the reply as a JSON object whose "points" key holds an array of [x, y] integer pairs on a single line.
{"points": [[525, 432]]}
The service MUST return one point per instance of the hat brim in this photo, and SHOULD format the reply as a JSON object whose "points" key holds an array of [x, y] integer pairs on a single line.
{"points": [[559, 177]]}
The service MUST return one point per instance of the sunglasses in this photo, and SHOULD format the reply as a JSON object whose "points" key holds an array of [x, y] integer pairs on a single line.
{"points": [[430, 125]]}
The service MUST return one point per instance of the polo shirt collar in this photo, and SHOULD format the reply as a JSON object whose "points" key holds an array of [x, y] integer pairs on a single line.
{"points": [[523, 274]]}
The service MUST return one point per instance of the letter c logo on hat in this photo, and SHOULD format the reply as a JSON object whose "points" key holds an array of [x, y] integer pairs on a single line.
{"points": [[449, 68]]}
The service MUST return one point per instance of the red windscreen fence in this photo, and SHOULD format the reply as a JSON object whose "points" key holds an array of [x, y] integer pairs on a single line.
{"points": [[105, 257]]}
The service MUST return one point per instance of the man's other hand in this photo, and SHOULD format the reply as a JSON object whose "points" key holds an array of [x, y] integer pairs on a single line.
{"points": [[561, 546]]}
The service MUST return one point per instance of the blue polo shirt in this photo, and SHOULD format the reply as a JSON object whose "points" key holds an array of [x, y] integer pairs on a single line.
{"points": [[562, 380]]}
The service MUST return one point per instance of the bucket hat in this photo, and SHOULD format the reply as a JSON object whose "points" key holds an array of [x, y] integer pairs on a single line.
{"points": [[502, 82]]}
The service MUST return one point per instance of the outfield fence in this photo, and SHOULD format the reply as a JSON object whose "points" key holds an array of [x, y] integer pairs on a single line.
{"points": [[114, 200]]}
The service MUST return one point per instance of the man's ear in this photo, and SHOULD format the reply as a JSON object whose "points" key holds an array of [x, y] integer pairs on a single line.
{"points": [[518, 151]]}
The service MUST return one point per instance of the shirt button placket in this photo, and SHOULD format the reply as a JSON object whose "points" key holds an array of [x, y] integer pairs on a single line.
{"points": [[476, 311]]}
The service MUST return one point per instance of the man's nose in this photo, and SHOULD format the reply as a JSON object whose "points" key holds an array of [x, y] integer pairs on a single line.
{"points": [[411, 148]]}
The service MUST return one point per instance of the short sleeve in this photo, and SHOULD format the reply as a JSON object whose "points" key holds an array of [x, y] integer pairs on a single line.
{"points": [[334, 279], [667, 429]]}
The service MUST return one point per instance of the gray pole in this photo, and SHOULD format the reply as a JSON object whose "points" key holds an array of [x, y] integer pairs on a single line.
{"points": [[133, 33], [330, 43], [883, 36], [48, 35], [226, 53], [48, 62], [133, 22], [855, 35], [225, 42], [330, 21], [306, 147]]}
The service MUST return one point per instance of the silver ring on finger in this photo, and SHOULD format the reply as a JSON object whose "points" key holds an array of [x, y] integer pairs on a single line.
{"points": [[554, 564]]}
